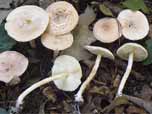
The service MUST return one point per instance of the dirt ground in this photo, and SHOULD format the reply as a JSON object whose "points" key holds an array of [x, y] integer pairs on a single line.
{"points": [[99, 96]]}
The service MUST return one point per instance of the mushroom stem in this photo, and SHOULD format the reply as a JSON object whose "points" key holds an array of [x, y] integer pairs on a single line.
{"points": [[20, 99], [78, 96], [126, 75], [55, 53]]}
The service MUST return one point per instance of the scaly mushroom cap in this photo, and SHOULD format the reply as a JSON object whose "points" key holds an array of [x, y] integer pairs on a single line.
{"points": [[100, 51], [12, 65], [60, 42], [26, 23], [140, 53], [107, 30], [63, 17], [134, 24], [67, 64]]}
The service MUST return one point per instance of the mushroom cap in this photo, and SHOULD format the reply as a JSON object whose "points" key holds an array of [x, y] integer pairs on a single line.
{"points": [[12, 64], [100, 51], [134, 24], [107, 30], [140, 53], [63, 17], [26, 23], [67, 64], [60, 42]]}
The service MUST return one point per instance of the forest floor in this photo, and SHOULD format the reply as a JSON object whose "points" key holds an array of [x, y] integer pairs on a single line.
{"points": [[99, 96]]}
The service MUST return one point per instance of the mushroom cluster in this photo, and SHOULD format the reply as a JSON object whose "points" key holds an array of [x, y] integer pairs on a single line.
{"points": [[133, 25], [54, 26], [63, 19]]}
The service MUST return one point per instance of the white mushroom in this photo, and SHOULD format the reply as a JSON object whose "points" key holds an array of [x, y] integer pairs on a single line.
{"points": [[69, 65], [26, 23], [12, 65], [66, 73], [131, 52], [63, 17], [57, 43], [100, 52], [134, 24], [107, 30]]}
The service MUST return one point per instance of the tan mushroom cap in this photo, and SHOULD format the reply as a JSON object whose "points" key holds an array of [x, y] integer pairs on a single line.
{"points": [[67, 64], [140, 53], [12, 65], [100, 51], [134, 24], [26, 23], [107, 30], [63, 17], [60, 42]]}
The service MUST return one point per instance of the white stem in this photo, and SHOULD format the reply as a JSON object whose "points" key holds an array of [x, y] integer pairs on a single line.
{"points": [[78, 96], [20, 99], [126, 75]]}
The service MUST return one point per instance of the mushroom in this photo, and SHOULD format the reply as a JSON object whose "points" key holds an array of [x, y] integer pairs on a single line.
{"points": [[26, 23], [100, 52], [12, 65], [107, 30], [63, 17], [66, 73], [57, 43], [131, 52], [67, 64], [134, 24]]}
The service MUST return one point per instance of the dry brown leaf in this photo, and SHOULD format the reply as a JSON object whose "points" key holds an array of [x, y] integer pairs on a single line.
{"points": [[49, 93], [102, 90], [82, 36], [146, 93], [135, 110]]}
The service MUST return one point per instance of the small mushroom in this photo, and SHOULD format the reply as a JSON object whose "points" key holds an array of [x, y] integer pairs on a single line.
{"points": [[100, 52], [107, 30], [134, 24], [63, 17], [66, 73], [26, 23], [131, 52], [57, 43], [12, 65], [67, 64]]}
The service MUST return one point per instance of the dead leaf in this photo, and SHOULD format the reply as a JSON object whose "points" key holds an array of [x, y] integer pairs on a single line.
{"points": [[140, 102], [135, 110], [121, 100], [5, 3], [3, 14], [48, 92], [117, 102], [82, 36], [105, 10], [119, 110], [146, 93], [102, 90]]}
